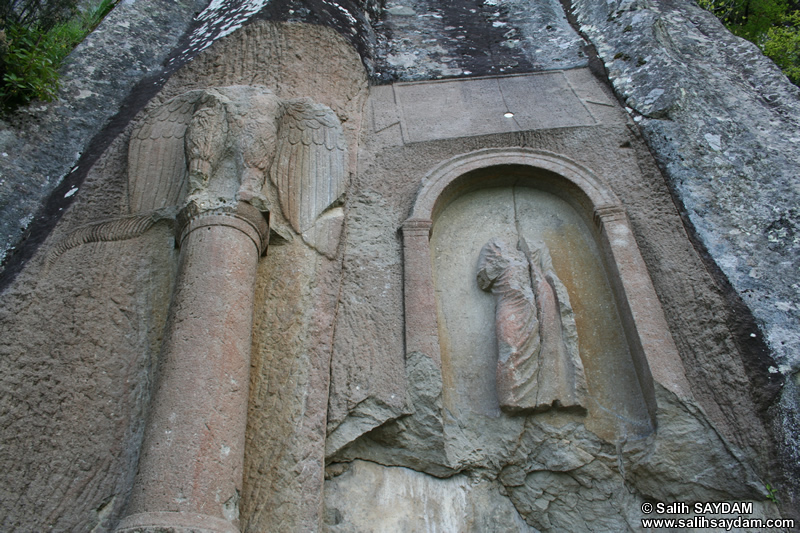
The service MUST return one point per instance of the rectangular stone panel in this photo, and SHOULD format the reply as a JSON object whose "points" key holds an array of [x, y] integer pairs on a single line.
{"points": [[462, 108]]}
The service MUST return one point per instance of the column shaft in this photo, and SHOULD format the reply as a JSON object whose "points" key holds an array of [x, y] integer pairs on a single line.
{"points": [[190, 470]]}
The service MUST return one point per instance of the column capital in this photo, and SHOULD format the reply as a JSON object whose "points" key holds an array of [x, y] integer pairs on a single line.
{"points": [[241, 216]]}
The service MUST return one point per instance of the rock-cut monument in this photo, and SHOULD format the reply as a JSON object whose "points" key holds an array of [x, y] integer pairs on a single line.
{"points": [[421, 266]]}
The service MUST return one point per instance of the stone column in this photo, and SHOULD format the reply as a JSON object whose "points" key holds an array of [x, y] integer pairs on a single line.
{"points": [[422, 330], [190, 470]]}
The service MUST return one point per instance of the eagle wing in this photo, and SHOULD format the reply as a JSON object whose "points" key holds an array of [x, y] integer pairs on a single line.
{"points": [[157, 169], [309, 168]]}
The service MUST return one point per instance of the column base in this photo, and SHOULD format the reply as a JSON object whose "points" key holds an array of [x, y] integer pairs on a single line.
{"points": [[174, 522]]}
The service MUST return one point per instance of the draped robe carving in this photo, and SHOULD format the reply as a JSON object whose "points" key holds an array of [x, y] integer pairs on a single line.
{"points": [[538, 366]]}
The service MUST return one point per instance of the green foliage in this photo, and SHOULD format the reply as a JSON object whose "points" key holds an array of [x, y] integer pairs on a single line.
{"points": [[782, 45], [772, 494], [43, 14], [30, 64], [747, 18], [774, 25], [31, 52]]}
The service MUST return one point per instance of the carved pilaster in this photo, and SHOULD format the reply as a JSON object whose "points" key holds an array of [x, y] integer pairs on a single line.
{"points": [[422, 331], [209, 151]]}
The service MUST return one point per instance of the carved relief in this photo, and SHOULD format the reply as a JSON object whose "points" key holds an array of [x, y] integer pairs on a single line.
{"points": [[538, 365], [110, 230], [309, 167], [213, 148], [156, 165]]}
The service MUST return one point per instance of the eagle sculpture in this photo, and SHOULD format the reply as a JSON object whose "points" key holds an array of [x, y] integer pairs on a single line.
{"points": [[214, 147]]}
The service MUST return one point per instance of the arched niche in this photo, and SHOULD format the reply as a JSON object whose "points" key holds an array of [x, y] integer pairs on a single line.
{"points": [[624, 341]]}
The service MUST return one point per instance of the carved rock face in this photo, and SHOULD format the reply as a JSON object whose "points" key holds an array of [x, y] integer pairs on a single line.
{"points": [[230, 144], [535, 370], [309, 169], [505, 272], [212, 149]]}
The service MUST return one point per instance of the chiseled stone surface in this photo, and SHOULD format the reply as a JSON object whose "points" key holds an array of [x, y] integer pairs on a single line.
{"points": [[449, 109], [470, 350], [330, 379], [81, 313], [296, 295], [79, 347], [368, 383], [554, 475], [442, 442], [371, 497]]}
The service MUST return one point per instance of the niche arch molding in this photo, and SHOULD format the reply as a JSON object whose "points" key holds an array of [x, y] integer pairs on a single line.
{"points": [[655, 355]]}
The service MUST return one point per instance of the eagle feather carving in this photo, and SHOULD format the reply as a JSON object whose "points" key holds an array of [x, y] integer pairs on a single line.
{"points": [[309, 168], [157, 168], [215, 146]]}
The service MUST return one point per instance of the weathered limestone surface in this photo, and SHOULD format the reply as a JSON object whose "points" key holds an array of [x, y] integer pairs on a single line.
{"points": [[724, 125], [549, 465], [80, 343], [401, 499], [331, 379], [368, 377], [297, 289], [115, 317], [427, 39], [554, 475], [106, 81], [289, 383]]}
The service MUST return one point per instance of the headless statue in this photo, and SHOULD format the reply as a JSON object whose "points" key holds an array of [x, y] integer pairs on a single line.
{"points": [[538, 366]]}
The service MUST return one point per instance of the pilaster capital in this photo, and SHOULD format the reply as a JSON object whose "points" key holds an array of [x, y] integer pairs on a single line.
{"points": [[417, 227], [607, 213]]}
